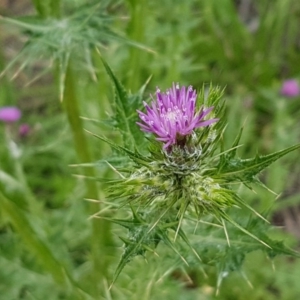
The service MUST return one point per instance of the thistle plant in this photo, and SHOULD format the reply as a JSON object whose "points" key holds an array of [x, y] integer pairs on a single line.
{"points": [[185, 175], [178, 189]]}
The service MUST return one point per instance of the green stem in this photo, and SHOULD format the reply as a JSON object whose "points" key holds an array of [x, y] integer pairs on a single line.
{"points": [[136, 31], [47, 8], [34, 206], [100, 238], [32, 241], [40, 8], [277, 177], [55, 8]]}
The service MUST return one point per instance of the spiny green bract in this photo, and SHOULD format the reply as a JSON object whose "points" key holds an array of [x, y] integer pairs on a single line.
{"points": [[175, 181]]}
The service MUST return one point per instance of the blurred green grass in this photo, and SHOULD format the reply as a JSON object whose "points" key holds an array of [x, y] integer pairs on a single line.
{"points": [[249, 47]]}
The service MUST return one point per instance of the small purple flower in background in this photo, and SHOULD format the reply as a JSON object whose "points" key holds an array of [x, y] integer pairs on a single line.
{"points": [[290, 88], [172, 116], [24, 130], [9, 114]]}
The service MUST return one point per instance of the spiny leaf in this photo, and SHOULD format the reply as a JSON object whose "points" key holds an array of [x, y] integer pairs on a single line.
{"points": [[133, 155], [70, 36], [260, 228], [278, 247], [246, 169], [213, 248], [169, 243], [186, 240], [122, 222], [243, 203], [137, 245], [124, 112], [231, 221], [234, 260], [235, 145]]}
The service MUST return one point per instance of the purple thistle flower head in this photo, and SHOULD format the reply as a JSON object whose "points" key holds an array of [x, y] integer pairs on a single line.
{"points": [[290, 88], [9, 114], [172, 116], [24, 130]]}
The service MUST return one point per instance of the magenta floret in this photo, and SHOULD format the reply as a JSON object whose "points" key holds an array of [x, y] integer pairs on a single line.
{"points": [[172, 115]]}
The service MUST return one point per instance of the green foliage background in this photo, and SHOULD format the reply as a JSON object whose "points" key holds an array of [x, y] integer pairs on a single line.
{"points": [[49, 248]]}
